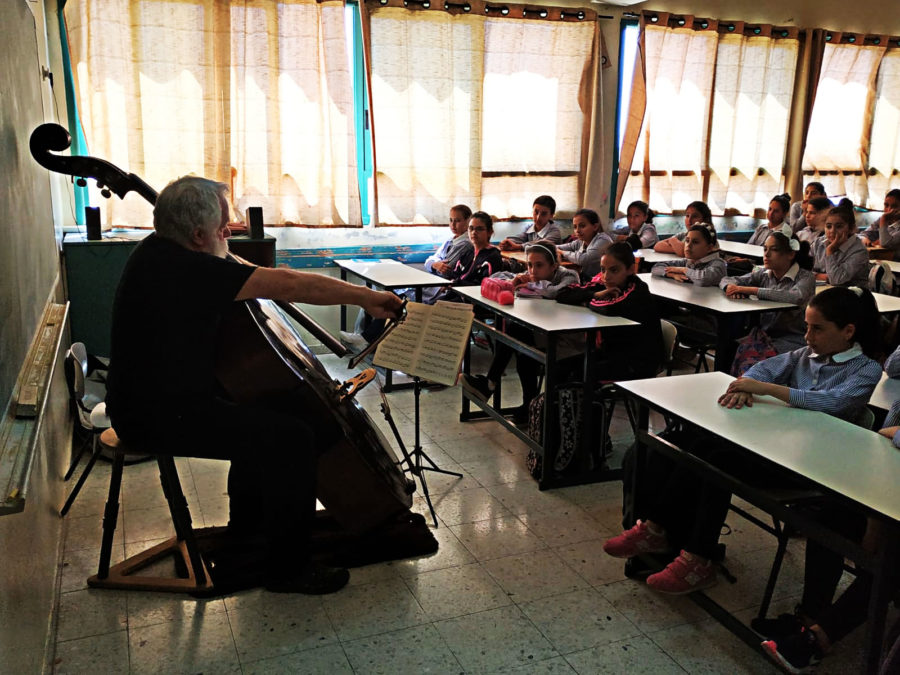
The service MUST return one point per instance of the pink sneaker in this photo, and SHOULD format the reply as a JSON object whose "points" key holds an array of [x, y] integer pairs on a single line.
{"points": [[686, 574], [639, 539]]}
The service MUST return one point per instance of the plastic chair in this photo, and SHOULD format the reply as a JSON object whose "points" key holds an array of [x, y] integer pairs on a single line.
{"points": [[670, 339], [91, 414]]}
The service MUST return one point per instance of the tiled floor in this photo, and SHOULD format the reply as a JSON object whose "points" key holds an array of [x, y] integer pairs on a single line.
{"points": [[520, 583]]}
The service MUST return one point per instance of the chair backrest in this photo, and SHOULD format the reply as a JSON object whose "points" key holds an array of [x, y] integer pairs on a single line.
{"points": [[865, 418], [75, 370], [669, 338]]}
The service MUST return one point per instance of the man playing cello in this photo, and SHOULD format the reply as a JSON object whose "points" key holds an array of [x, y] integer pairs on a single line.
{"points": [[162, 387]]}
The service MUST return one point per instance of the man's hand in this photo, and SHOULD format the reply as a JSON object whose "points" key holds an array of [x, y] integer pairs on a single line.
{"points": [[383, 305], [441, 267]]}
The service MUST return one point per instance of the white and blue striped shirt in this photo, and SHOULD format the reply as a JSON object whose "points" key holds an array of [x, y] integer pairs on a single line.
{"points": [[839, 385]]}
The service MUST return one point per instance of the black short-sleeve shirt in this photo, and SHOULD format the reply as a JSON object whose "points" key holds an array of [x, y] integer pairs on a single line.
{"points": [[166, 317]]}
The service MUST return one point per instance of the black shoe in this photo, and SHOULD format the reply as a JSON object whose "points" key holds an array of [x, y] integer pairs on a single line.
{"points": [[477, 385], [777, 629], [313, 579]]}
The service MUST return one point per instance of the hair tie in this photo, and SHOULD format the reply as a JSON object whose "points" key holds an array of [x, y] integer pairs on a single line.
{"points": [[787, 230], [857, 290], [549, 252]]}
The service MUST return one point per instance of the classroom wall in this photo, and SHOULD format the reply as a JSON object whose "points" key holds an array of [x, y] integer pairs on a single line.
{"points": [[29, 276]]}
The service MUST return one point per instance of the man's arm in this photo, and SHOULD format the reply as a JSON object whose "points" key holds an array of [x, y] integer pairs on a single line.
{"points": [[316, 289]]}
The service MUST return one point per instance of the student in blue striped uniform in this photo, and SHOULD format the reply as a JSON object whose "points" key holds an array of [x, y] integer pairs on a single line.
{"points": [[639, 232], [835, 374], [784, 277], [589, 245], [892, 364], [778, 208], [542, 228], [702, 263], [885, 231], [841, 258]]}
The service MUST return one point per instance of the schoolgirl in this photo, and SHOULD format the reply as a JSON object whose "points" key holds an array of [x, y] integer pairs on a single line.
{"points": [[885, 232], [545, 279], [778, 208], [695, 213], [786, 276], [589, 244], [840, 257], [835, 373], [483, 259], [796, 216], [617, 291], [814, 214], [639, 231], [702, 263]]}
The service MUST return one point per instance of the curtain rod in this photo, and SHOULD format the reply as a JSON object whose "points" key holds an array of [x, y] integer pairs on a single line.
{"points": [[495, 9]]}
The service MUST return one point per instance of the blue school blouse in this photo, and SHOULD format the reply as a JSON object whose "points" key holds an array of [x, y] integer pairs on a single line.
{"points": [[839, 385]]}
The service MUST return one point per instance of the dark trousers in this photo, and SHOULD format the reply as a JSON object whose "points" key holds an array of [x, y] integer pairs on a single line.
{"points": [[527, 369], [272, 480]]}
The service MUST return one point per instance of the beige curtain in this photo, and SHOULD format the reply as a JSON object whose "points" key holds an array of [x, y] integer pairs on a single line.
{"points": [[465, 107], [256, 94], [841, 121], [750, 114], [426, 75], [884, 154], [670, 152]]}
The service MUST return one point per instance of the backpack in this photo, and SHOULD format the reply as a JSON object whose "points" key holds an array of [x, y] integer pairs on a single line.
{"points": [[881, 278]]}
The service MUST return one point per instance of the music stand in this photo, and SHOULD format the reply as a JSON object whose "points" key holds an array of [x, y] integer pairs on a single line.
{"points": [[413, 461]]}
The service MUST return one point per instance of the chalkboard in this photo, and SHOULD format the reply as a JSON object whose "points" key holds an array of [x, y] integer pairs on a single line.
{"points": [[29, 263]]}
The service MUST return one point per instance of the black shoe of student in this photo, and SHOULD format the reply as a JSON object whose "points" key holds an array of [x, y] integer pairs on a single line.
{"points": [[520, 416], [477, 385], [777, 629], [796, 653], [314, 579]]}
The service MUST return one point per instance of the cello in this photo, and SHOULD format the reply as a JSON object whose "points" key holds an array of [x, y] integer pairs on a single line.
{"points": [[260, 354]]}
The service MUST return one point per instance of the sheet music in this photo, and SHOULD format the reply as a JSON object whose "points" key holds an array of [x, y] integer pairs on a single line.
{"points": [[430, 343]]}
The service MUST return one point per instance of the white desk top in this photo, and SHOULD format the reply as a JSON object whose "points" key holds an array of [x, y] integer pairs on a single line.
{"points": [[745, 250], [710, 298], [548, 316], [886, 303], [855, 462], [893, 264], [390, 273], [652, 257], [885, 393]]}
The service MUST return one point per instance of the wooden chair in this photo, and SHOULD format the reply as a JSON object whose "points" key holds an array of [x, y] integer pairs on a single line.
{"points": [[183, 546]]}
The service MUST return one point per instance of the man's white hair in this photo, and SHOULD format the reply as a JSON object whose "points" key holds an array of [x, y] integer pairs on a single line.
{"points": [[187, 203]]}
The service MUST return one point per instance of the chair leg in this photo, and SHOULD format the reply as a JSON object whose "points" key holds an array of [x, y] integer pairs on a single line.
{"points": [[110, 515], [77, 458], [95, 454], [181, 515]]}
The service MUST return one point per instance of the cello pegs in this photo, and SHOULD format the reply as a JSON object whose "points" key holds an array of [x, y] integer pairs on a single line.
{"points": [[81, 182]]}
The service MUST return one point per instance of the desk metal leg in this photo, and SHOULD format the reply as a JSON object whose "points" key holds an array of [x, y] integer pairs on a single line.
{"points": [[343, 307], [550, 414]]}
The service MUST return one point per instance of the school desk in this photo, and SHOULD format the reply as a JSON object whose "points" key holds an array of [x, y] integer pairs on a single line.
{"points": [[886, 392], [390, 275], [712, 300], [752, 251], [846, 461], [550, 321]]}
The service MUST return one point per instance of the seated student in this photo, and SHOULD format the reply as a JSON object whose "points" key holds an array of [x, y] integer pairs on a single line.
{"points": [[778, 207], [542, 226], [695, 213], [483, 259], [589, 245], [702, 265], [785, 277], [840, 257], [628, 354], [892, 364], [796, 216], [885, 232], [836, 374], [545, 279], [814, 214], [441, 263], [639, 232]]}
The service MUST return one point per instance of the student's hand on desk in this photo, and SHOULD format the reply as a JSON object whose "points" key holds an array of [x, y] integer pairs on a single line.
{"points": [[888, 432], [607, 294], [440, 267], [676, 273], [821, 276], [383, 305], [739, 292], [522, 279], [736, 400]]}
